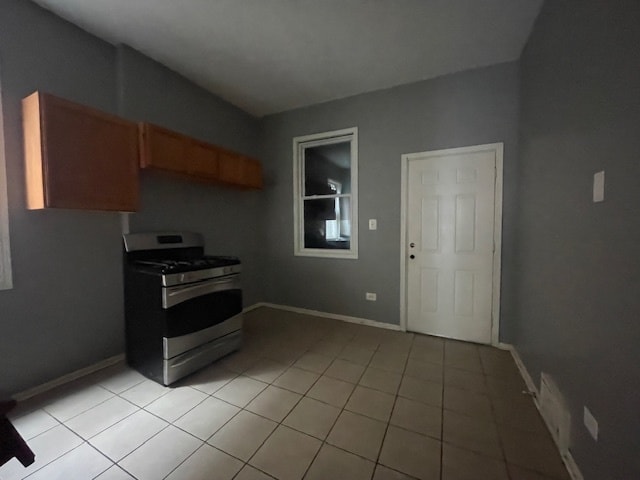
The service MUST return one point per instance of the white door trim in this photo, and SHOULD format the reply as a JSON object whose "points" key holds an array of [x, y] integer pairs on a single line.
{"points": [[498, 148]]}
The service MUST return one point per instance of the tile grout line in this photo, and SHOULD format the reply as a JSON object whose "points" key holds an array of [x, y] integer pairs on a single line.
{"points": [[140, 446], [59, 456], [395, 400], [495, 418], [280, 423], [102, 454], [58, 423], [324, 441], [303, 433], [169, 424], [172, 424], [83, 411]]}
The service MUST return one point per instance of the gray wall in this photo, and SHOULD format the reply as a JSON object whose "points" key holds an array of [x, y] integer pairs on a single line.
{"points": [[469, 108], [65, 311], [230, 219], [578, 262]]}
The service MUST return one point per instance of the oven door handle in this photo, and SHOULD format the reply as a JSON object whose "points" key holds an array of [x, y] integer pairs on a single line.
{"points": [[172, 296]]}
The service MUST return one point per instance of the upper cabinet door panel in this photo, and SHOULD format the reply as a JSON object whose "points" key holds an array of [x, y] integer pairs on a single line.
{"points": [[163, 149], [78, 157], [230, 167], [252, 173], [239, 170], [203, 160]]}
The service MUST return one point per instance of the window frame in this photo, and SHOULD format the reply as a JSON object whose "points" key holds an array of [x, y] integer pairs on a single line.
{"points": [[6, 278], [314, 140]]}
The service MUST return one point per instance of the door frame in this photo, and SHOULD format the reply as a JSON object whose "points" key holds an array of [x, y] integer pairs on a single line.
{"points": [[498, 148]]}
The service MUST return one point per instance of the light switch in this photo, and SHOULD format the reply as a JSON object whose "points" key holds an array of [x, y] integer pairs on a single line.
{"points": [[373, 224], [598, 186]]}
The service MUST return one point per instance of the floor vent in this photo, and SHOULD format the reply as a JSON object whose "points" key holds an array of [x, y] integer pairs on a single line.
{"points": [[555, 412]]}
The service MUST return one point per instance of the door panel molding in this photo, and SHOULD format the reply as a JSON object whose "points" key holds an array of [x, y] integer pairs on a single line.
{"points": [[498, 149]]}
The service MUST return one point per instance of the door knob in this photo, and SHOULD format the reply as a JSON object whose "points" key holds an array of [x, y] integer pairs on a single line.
{"points": [[412, 256]]}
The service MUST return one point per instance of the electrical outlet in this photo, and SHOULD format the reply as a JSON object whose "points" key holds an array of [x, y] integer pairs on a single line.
{"points": [[372, 297], [591, 423], [373, 224]]}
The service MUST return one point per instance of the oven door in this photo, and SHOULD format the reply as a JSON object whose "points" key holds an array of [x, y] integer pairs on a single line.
{"points": [[200, 312], [175, 295]]}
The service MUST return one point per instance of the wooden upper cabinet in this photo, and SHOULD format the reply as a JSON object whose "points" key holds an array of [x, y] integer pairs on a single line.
{"points": [[252, 173], [77, 157], [230, 167], [163, 149], [236, 169], [166, 150], [202, 160]]}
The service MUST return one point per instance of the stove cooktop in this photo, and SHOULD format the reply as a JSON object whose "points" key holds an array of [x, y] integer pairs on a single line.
{"points": [[167, 266]]}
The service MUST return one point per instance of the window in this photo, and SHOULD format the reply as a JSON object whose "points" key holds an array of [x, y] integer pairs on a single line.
{"points": [[325, 171], [5, 258]]}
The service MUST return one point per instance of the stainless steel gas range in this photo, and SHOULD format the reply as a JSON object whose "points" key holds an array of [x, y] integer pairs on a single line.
{"points": [[183, 309]]}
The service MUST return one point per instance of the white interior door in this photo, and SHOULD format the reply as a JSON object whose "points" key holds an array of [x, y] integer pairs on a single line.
{"points": [[450, 227]]}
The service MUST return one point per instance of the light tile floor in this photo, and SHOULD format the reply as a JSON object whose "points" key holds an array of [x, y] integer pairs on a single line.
{"points": [[306, 397]]}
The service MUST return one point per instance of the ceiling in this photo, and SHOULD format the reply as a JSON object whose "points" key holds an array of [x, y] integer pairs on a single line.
{"points": [[268, 56]]}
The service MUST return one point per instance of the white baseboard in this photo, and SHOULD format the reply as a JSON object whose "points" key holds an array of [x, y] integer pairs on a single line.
{"points": [[572, 467], [567, 458], [69, 377], [531, 385], [253, 307], [335, 316]]}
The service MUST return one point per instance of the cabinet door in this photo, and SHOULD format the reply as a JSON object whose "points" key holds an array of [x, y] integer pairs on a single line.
{"points": [[252, 173], [230, 167], [163, 149], [239, 170], [203, 160], [78, 157]]}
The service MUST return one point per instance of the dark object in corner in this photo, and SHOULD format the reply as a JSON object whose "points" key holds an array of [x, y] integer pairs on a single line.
{"points": [[11, 443]]}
